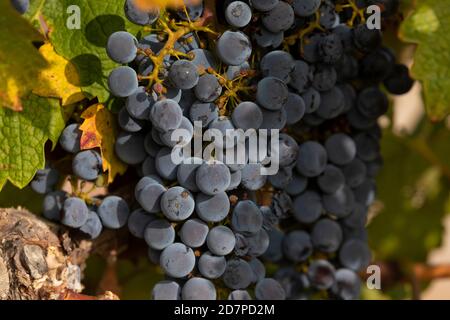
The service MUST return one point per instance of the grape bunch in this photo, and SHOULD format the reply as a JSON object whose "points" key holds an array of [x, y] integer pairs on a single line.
{"points": [[311, 69]]}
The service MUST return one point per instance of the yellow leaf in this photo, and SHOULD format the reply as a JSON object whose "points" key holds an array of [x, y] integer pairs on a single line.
{"points": [[20, 61], [55, 80], [99, 131]]}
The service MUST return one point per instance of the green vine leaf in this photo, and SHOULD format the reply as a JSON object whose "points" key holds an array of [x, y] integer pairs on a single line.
{"points": [[413, 191], [23, 136], [429, 27], [85, 47]]}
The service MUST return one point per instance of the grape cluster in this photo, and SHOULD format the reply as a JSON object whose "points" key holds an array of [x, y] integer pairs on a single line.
{"points": [[309, 68]]}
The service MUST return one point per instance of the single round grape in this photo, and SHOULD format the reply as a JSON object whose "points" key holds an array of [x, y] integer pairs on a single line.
{"points": [[139, 104], [138, 220], [75, 212], [238, 274], [129, 147], [278, 64], [399, 81], [295, 108], [121, 47], [366, 39], [348, 285], [239, 295], [238, 14], [122, 81], [166, 115], [296, 185], [193, 233], [340, 203], [114, 212], [220, 240], [213, 177], [149, 195], [326, 236], [87, 164], [93, 226], [272, 93], [177, 260], [212, 208], [321, 273], [172, 138], [70, 138], [198, 289], [355, 255], [44, 180], [166, 168], [252, 179], [183, 74], [308, 207], [280, 18], [247, 218], [372, 102], [297, 246], [138, 16], [331, 179], [258, 243], [305, 8], [53, 204], [208, 88], [233, 48], [211, 266], [177, 204], [312, 159], [365, 193], [269, 289], [203, 112], [166, 290], [332, 103], [159, 234], [247, 115], [355, 173]]}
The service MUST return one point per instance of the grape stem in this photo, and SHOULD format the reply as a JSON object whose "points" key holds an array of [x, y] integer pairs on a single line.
{"points": [[174, 31], [312, 26], [356, 13]]}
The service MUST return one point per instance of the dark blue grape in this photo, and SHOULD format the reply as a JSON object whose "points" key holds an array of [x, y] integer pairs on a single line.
{"points": [[177, 260], [75, 212], [198, 289], [70, 138], [114, 212], [93, 226]]}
